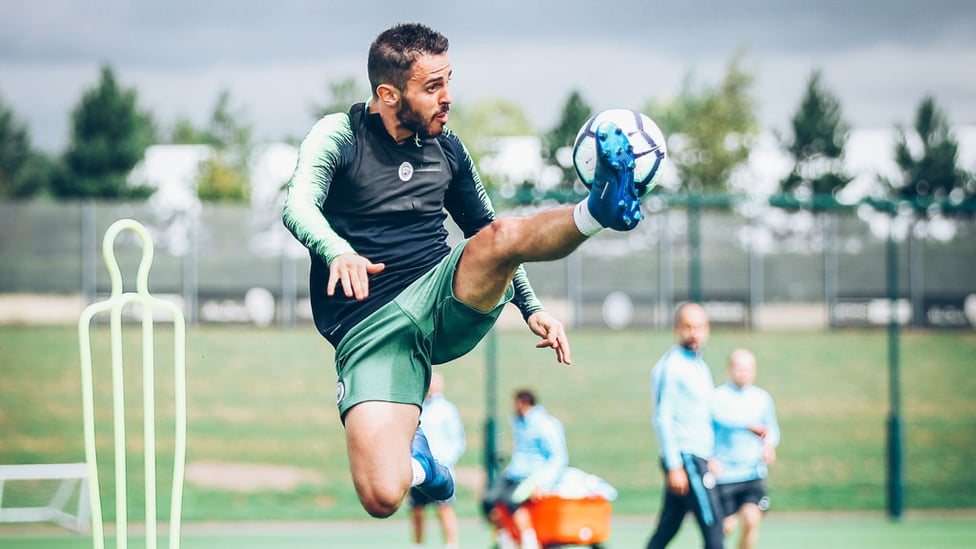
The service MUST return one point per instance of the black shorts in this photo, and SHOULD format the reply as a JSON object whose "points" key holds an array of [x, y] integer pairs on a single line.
{"points": [[501, 492], [736, 494]]}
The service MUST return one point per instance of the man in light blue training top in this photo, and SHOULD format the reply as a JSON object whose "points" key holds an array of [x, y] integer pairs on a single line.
{"points": [[369, 198], [746, 436], [445, 433], [539, 458], [682, 389]]}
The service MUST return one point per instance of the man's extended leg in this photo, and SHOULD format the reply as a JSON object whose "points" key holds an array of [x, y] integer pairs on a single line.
{"points": [[492, 256], [523, 522], [673, 511], [378, 437], [449, 524], [751, 517], [417, 521]]}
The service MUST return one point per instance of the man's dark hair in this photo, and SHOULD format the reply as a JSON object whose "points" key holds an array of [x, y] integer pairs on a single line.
{"points": [[392, 54], [526, 396]]}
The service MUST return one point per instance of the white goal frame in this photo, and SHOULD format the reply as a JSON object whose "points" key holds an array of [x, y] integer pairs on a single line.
{"points": [[73, 476]]}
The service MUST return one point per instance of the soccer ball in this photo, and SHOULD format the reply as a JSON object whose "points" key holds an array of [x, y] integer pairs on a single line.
{"points": [[650, 150]]}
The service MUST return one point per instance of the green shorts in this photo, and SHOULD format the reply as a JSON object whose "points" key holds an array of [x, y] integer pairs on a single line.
{"points": [[388, 356]]}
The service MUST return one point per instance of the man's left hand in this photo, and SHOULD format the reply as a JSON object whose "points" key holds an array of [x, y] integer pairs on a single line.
{"points": [[552, 333]]}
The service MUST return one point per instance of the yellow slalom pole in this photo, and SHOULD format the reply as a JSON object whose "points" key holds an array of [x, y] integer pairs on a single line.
{"points": [[148, 304]]}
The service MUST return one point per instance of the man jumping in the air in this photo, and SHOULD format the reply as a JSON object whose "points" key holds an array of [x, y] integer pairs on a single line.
{"points": [[368, 199]]}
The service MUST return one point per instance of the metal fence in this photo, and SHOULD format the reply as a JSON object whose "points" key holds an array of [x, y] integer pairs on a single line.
{"points": [[751, 264]]}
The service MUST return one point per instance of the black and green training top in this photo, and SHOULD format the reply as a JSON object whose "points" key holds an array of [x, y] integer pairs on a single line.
{"points": [[355, 190]]}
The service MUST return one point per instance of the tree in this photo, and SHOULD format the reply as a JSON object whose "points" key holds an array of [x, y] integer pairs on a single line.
{"points": [[481, 123], [15, 152], [490, 118], [225, 175], [24, 171], [932, 173], [185, 132], [37, 175], [575, 113], [817, 144], [342, 95], [109, 135], [710, 129]]}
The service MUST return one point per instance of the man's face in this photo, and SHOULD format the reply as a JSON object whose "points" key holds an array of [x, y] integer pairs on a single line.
{"points": [[742, 370], [691, 330], [425, 102]]}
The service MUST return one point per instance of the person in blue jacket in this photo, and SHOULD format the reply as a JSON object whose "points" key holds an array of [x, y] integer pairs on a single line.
{"points": [[539, 458], [746, 436], [682, 388]]}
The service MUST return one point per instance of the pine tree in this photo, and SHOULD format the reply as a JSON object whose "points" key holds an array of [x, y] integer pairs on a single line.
{"points": [[109, 135], [225, 176], [817, 145], [15, 151], [711, 129], [560, 139], [933, 173]]}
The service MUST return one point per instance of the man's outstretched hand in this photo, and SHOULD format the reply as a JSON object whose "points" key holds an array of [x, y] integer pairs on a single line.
{"points": [[552, 333]]}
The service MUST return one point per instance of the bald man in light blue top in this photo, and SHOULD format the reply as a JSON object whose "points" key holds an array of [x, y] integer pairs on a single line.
{"points": [[682, 389], [746, 436]]}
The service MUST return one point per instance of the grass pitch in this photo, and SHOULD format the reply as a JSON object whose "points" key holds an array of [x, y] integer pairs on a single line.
{"points": [[264, 398], [795, 531]]}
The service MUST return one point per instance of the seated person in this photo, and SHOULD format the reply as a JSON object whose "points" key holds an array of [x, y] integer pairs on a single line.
{"points": [[539, 457]]}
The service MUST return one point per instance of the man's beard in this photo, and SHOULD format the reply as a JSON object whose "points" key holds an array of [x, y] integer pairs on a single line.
{"points": [[414, 121]]}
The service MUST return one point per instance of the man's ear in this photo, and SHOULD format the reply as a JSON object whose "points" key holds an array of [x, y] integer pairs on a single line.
{"points": [[388, 94]]}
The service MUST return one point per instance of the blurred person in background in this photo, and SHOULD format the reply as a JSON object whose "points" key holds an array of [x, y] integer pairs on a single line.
{"points": [[746, 437], [682, 389], [539, 457], [442, 424]]}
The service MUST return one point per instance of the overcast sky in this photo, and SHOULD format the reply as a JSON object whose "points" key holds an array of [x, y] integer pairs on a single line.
{"points": [[881, 57]]}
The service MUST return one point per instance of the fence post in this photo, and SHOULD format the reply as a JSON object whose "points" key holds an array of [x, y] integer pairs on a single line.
{"points": [[289, 290], [895, 484], [574, 286], [694, 242], [756, 275], [665, 289], [89, 286], [916, 276], [491, 411], [191, 286], [830, 265]]}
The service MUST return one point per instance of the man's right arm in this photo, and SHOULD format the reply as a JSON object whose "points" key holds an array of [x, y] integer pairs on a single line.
{"points": [[662, 389], [319, 157]]}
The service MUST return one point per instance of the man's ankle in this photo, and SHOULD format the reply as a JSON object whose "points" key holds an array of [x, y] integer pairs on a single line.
{"points": [[585, 222]]}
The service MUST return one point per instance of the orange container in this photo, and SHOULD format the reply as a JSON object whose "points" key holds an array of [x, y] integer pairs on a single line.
{"points": [[570, 521]]}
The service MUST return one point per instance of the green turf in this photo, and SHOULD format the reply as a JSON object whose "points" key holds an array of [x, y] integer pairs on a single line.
{"points": [[793, 531], [266, 396]]}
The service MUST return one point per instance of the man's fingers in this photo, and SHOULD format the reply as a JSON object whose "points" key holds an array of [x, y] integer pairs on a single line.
{"points": [[563, 350], [553, 335], [333, 280], [352, 272]]}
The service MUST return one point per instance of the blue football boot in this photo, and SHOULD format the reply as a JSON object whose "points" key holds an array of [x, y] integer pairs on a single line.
{"points": [[613, 200], [439, 483]]}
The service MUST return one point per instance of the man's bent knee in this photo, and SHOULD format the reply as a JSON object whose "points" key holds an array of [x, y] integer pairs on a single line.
{"points": [[381, 504], [503, 240], [751, 515]]}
